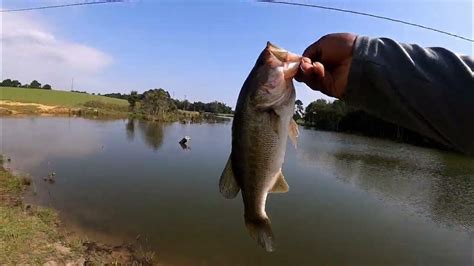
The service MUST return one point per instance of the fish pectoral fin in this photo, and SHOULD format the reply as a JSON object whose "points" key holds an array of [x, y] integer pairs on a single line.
{"points": [[293, 132], [275, 120], [280, 185], [228, 184]]}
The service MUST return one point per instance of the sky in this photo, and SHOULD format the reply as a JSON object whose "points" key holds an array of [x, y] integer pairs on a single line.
{"points": [[201, 50]]}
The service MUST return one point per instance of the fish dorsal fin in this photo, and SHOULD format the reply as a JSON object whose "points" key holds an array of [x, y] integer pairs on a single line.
{"points": [[280, 185], [228, 184], [293, 132]]}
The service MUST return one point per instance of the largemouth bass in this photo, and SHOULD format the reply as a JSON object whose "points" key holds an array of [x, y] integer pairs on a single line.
{"points": [[262, 124]]}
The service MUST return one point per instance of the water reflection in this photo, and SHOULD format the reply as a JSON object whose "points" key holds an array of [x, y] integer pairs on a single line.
{"points": [[454, 190], [172, 197], [184, 146], [435, 184], [130, 129], [43, 138], [152, 133]]}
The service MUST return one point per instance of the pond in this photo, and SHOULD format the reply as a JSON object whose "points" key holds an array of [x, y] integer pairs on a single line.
{"points": [[352, 201]]}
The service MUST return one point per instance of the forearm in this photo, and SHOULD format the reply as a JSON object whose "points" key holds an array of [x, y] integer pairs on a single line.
{"points": [[430, 91]]}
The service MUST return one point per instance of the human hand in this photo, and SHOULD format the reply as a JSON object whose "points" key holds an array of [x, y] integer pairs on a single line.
{"points": [[326, 63]]}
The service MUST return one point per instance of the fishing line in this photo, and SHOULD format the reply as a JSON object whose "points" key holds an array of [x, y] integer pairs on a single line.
{"points": [[368, 15], [60, 6]]}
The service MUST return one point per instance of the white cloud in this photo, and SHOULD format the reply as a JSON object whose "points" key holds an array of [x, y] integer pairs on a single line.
{"points": [[31, 51]]}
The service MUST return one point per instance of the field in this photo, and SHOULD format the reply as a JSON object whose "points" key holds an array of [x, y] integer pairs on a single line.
{"points": [[53, 97]]}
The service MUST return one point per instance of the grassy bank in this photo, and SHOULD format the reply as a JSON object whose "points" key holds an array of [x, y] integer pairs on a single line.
{"points": [[20, 101], [54, 97], [31, 234]]}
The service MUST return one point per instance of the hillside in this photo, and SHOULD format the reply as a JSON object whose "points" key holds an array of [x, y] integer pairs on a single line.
{"points": [[53, 97]]}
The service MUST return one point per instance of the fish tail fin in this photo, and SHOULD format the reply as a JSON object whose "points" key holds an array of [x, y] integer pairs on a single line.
{"points": [[261, 230]]}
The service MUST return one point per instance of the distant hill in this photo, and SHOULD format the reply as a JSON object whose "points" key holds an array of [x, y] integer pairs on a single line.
{"points": [[54, 97]]}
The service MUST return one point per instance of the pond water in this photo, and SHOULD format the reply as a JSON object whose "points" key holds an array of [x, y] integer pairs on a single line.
{"points": [[352, 200]]}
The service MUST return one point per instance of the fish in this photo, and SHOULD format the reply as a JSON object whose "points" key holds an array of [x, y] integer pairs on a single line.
{"points": [[263, 121]]}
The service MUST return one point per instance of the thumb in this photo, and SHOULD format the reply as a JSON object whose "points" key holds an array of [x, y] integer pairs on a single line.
{"points": [[309, 71]]}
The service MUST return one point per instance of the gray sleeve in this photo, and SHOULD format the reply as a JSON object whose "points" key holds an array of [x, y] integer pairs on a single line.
{"points": [[427, 90]]}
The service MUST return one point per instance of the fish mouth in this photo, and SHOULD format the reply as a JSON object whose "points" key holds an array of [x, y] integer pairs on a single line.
{"points": [[289, 61]]}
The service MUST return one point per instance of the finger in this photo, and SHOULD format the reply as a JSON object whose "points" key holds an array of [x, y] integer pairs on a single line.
{"points": [[305, 60], [314, 51], [306, 71], [311, 74], [306, 67], [317, 78], [314, 70], [318, 68]]}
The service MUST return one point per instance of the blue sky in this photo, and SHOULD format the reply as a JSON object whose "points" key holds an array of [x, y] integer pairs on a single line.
{"points": [[201, 49]]}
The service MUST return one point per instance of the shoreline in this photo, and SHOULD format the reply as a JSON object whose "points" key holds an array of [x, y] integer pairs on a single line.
{"points": [[18, 109], [25, 109], [33, 234]]}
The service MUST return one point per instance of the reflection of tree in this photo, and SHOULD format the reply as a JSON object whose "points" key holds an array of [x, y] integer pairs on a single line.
{"points": [[435, 184], [130, 127], [454, 197], [152, 133]]}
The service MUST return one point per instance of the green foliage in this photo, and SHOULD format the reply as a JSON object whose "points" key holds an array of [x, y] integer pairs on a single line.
{"points": [[16, 84], [132, 100], [336, 116], [324, 115], [117, 95], [46, 87], [35, 85], [10, 83], [212, 107], [156, 104]]}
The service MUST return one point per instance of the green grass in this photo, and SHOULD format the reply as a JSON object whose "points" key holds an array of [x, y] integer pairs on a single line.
{"points": [[27, 236], [30, 235], [54, 97]]}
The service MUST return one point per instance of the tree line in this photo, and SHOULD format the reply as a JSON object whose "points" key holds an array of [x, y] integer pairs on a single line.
{"points": [[150, 97], [32, 85], [165, 98], [337, 116], [157, 104], [211, 107]]}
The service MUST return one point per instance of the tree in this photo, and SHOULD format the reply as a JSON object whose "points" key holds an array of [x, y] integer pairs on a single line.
{"points": [[157, 103], [212, 107], [16, 83], [46, 87], [183, 105], [132, 100], [7, 83], [117, 95], [35, 85], [10, 83], [324, 115]]}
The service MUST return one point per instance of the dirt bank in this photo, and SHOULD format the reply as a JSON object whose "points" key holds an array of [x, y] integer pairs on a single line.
{"points": [[18, 108], [31, 234]]}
